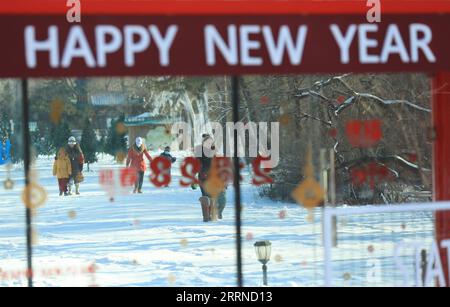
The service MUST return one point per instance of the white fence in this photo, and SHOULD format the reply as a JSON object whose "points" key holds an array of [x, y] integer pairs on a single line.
{"points": [[384, 245]]}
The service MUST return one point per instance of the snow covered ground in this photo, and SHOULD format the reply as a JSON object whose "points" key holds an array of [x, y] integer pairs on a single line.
{"points": [[158, 238]]}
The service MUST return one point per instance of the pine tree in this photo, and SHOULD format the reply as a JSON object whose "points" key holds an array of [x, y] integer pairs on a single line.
{"points": [[41, 142], [89, 143], [59, 134], [116, 139], [102, 144], [6, 114]]}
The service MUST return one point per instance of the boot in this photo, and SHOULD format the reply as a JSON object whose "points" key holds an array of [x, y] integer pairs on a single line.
{"points": [[70, 189], [221, 202], [213, 209], [77, 189], [204, 202], [220, 210]]}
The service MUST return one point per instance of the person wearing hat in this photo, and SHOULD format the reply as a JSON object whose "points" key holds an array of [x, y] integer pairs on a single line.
{"points": [[166, 154], [135, 159], [76, 157]]}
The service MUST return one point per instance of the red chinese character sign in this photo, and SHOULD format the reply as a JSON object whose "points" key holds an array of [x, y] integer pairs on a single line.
{"points": [[117, 180], [371, 174], [364, 134]]}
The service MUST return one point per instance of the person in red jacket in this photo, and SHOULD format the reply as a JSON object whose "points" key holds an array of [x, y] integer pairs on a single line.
{"points": [[135, 160]]}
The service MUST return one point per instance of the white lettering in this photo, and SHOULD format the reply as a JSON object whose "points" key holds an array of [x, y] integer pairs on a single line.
{"points": [[50, 45], [77, 46], [213, 39], [393, 43], [131, 47], [374, 14], [104, 47], [344, 41], [365, 43], [434, 267], [164, 43], [421, 43], [247, 44], [284, 43], [74, 13]]}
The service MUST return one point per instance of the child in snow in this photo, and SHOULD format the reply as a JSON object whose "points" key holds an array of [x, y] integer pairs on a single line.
{"points": [[62, 169], [166, 154]]}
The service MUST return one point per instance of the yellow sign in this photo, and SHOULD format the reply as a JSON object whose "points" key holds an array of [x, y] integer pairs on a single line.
{"points": [[309, 192], [34, 196]]}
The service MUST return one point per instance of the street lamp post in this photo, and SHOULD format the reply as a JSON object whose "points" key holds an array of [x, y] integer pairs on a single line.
{"points": [[263, 250]]}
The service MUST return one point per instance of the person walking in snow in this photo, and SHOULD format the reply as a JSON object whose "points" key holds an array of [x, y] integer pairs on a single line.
{"points": [[76, 157], [62, 169], [205, 153], [166, 154], [135, 159]]}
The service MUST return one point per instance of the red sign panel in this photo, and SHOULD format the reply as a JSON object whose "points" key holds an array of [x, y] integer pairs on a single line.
{"points": [[203, 45]]}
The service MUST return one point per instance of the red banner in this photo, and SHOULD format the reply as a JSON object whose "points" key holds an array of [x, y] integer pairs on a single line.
{"points": [[37, 46]]}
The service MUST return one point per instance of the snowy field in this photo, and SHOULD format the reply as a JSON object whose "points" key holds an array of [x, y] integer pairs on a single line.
{"points": [[158, 238]]}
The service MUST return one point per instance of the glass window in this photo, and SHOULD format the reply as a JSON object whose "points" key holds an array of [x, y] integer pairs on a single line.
{"points": [[132, 180]]}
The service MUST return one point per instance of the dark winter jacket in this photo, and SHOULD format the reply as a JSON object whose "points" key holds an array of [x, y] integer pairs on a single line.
{"points": [[135, 157], [168, 156], [205, 163], [76, 158]]}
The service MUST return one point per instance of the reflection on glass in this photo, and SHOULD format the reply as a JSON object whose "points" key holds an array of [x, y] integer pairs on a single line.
{"points": [[132, 180]]}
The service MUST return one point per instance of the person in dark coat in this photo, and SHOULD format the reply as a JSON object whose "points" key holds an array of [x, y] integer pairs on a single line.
{"points": [[76, 157], [166, 154], [205, 153]]}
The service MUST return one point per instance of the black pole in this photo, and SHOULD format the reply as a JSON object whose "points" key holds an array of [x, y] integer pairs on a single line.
{"points": [[264, 267], [26, 163], [237, 176]]}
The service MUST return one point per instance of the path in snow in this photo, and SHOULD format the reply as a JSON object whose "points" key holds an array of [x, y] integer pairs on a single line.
{"points": [[158, 238]]}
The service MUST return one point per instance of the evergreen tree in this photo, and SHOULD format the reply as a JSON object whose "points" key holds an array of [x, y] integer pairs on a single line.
{"points": [[89, 143], [6, 104], [59, 134], [40, 142], [102, 144], [116, 139]]}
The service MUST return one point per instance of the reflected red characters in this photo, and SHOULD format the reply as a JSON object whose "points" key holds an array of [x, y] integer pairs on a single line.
{"points": [[364, 133], [128, 177], [160, 176], [261, 174], [160, 168], [125, 177], [371, 174], [189, 169]]}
